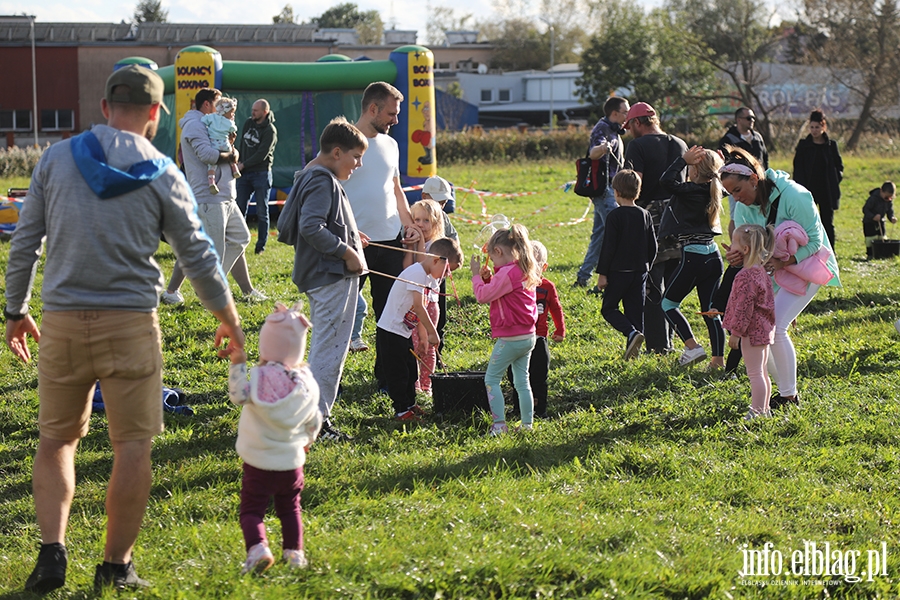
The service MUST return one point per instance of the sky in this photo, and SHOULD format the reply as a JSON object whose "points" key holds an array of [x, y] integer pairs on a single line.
{"points": [[403, 14]]}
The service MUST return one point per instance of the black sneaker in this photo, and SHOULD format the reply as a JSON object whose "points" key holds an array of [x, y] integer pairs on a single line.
{"points": [[778, 401], [330, 432], [50, 571], [119, 577], [633, 345], [580, 283]]}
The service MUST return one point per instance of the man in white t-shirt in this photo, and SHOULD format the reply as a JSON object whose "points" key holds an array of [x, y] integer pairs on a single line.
{"points": [[376, 196]]}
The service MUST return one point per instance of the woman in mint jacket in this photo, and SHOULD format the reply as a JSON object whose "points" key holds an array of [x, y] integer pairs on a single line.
{"points": [[769, 197]]}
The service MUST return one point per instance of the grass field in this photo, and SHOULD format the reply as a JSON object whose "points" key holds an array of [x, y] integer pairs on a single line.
{"points": [[647, 483]]}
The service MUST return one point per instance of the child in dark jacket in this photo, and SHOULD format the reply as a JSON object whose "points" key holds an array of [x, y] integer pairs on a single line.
{"points": [[878, 207], [629, 248], [692, 218]]}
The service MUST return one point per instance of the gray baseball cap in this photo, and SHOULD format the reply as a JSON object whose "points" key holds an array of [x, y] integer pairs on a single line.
{"points": [[145, 87]]}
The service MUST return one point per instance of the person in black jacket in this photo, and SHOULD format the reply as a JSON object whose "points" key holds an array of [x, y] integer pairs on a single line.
{"points": [[629, 247], [692, 218], [743, 134], [818, 167], [257, 146], [878, 207]]}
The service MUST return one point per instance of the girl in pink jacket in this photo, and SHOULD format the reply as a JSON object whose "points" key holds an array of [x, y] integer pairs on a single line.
{"points": [[510, 292], [750, 316]]}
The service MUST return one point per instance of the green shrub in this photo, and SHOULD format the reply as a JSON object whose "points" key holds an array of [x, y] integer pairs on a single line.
{"points": [[19, 162], [475, 145]]}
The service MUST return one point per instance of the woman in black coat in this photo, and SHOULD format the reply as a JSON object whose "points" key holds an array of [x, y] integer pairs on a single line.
{"points": [[818, 167]]}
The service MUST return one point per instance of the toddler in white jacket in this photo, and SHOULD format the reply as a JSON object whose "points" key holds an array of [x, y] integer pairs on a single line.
{"points": [[279, 420]]}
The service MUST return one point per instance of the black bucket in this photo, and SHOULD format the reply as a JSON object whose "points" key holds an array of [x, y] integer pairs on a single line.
{"points": [[459, 391], [885, 248]]}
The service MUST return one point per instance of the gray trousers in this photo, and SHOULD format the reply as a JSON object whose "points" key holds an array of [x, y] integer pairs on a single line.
{"points": [[332, 310]]}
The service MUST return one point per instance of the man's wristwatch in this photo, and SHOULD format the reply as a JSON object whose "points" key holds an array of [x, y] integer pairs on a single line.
{"points": [[12, 317]]}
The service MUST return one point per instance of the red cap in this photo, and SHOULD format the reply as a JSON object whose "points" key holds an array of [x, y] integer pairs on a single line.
{"points": [[640, 109]]}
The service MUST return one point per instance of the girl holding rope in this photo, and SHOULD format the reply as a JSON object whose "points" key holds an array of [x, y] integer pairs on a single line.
{"points": [[426, 215]]}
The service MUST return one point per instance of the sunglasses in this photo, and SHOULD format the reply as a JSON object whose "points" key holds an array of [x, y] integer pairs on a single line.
{"points": [[750, 118]]}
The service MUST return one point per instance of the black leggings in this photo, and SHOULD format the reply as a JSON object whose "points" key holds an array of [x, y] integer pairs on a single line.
{"points": [[720, 303], [701, 271]]}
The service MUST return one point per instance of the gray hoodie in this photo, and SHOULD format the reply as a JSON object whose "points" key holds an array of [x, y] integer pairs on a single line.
{"points": [[198, 153], [101, 238]]}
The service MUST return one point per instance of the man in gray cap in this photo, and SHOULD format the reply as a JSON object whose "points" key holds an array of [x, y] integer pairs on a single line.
{"points": [[101, 200]]}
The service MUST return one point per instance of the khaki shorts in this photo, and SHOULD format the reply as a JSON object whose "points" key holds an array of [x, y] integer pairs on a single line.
{"points": [[122, 349]]}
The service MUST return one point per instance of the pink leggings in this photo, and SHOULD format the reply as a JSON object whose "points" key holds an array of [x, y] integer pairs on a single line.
{"points": [[755, 359], [426, 351]]}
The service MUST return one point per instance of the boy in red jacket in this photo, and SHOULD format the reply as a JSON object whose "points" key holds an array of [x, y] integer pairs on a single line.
{"points": [[539, 366]]}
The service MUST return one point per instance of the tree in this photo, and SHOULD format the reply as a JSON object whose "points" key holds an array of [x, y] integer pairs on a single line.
{"points": [[521, 43], [150, 11], [444, 18], [732, 36], [285, 16], [644, 55], [518, 45], [861, 48], [368, 24]]}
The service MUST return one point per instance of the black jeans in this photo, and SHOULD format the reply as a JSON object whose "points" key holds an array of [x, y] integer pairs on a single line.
{"points": [[657, 330], [826, 214], [538, 369], [389, 262], [630, 289], [720, 303], [398, 368]]}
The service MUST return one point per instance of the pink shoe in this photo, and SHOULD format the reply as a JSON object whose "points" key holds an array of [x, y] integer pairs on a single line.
{"points": [[259, 558]]}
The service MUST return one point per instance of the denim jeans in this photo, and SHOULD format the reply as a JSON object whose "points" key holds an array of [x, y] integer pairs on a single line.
{"points": [[259, 184], [602, 207], [361, 307]]}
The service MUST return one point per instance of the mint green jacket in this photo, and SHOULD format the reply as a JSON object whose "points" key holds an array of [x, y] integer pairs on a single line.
{"points": [[796, 205]]}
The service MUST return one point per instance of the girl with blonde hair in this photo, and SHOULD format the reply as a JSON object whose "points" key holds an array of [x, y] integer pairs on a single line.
{"points": [[510, 290], [692, 218]]}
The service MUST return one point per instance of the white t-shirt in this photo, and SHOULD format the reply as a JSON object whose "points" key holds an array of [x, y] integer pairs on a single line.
{"points": [[398, 316], [371, 189]]}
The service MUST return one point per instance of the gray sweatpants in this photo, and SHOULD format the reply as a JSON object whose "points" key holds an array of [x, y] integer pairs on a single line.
{"points": [[332, 310]]}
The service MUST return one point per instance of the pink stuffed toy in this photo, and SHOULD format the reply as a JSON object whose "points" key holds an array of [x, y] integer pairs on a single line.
{"points": [[790, 237]]}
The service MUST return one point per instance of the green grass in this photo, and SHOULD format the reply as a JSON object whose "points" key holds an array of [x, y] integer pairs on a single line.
{"points": [[647, 484]]}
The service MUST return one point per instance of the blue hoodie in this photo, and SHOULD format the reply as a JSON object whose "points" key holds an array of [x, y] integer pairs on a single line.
{"points": [[102, 200]]}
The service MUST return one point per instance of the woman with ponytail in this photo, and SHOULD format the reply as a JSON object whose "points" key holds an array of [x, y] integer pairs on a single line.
{"points": [[769, 198]]}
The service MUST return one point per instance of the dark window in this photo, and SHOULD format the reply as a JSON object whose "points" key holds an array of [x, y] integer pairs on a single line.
{"points": [[487, 95], [15, 120], [505, 96], [55, 120]]}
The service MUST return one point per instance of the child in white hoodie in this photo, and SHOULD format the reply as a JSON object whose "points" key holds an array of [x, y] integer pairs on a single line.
{"points": [[279, 421]]}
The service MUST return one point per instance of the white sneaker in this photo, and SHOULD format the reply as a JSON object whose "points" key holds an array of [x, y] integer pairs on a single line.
{"points": [[752, 414], [259, 558], [358, 345], [498, 429], [691, 355], [172, 298], [255, 296], [295, 559]]}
